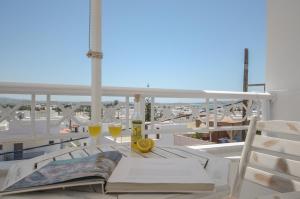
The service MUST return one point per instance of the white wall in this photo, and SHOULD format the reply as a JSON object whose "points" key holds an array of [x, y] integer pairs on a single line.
{"points": [[283, 58]]}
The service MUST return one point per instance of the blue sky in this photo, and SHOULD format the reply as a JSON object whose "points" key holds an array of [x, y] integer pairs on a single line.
{"points": [[184, 44]]}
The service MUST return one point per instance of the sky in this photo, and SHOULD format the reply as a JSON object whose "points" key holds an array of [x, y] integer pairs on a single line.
{"points": [[181, 44]]}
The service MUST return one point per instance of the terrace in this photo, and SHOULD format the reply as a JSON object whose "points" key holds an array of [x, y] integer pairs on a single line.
{"points": [[38, 119]]}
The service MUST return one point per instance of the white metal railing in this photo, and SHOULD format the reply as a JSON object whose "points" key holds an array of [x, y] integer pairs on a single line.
{"points": [[207, 106]]}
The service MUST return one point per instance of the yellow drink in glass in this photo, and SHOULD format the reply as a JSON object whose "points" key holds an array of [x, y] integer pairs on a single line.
{"points": [[115, 130], [95, 130]]}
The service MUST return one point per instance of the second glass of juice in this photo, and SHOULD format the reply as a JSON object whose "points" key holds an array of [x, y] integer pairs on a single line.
{"points": [[115, 130]]}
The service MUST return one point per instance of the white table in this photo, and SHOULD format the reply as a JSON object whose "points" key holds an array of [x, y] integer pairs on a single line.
{"points": [[217, 168]]}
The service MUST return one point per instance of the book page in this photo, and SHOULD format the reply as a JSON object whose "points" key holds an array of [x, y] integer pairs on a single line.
{"points": [[147, 170]]}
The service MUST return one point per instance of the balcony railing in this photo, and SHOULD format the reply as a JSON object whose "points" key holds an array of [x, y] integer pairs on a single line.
{"points": [[169, 110]]}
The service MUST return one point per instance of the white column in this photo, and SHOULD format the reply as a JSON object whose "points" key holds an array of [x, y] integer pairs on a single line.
{"points": [[283, 58], [96, 55]]}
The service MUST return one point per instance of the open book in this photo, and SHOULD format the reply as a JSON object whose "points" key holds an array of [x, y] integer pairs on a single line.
{"points": [[114, 174], [178, 175]]}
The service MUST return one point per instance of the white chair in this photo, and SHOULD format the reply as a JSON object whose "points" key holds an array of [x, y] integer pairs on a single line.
{"points": [[272, 162]]}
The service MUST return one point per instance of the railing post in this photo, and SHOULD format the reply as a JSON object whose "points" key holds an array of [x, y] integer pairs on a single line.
{"points": [[215, 113], [48, 116], [127, 126], [266, 115], [142, 109], [207, 112], [215, 119], [152, 114], [266, 109], [32, 114]]}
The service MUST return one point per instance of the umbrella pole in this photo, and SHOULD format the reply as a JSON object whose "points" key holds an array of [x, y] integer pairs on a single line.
{"points": [[95, 53]]}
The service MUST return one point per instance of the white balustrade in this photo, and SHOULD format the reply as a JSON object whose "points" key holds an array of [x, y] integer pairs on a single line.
{"points": [[208, 107]]}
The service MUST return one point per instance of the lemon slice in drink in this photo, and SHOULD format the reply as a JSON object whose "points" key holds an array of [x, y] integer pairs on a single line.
{"points": [[145, 145]]}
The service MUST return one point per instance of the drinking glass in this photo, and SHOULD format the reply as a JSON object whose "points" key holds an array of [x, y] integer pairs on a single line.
{"points": [[94, 131], [115, 130]]}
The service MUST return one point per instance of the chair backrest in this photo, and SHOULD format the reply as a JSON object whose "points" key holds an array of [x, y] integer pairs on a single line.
{"points": [[272, 162]]}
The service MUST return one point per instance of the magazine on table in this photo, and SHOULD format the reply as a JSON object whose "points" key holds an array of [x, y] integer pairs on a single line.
{"points": [[90, 170]]}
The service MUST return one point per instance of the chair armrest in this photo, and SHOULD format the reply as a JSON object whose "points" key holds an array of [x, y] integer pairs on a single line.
{"points": [[288, 195]]}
